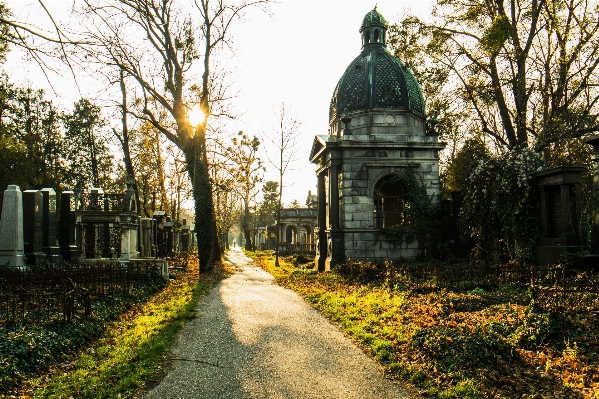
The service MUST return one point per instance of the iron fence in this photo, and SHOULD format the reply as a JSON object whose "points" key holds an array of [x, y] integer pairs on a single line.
{"points": [[58, 294]]}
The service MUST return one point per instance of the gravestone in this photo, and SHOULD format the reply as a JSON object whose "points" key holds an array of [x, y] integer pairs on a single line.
{"points": [[11, 228], [460, 244], [33, 209], [160, 234], [560, 201], [67, 238], [145, 237], [169, 227], [185, 236], [49, 242]]}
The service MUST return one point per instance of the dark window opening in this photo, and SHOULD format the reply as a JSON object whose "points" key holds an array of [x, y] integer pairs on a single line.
{"points": [[376, 36], [388, 202]]}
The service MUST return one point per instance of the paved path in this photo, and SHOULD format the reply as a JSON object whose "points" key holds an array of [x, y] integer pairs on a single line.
{"points": [[254, 339]]}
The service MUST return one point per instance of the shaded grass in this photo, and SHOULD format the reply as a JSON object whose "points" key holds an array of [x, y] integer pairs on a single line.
{"points": [[457, 344], [131, 354]]}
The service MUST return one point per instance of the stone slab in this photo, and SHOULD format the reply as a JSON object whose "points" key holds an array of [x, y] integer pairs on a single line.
{"points": [[11, 228]]}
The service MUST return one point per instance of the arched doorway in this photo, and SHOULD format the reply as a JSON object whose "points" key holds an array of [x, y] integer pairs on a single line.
{"points": [[389, 202]]}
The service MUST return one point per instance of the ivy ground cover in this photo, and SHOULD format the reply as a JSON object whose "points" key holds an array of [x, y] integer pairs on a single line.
{"points": [[449, 344], [122, 356]]}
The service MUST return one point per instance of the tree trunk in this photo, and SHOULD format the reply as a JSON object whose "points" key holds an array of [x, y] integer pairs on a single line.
{"points": [[202, 196]]}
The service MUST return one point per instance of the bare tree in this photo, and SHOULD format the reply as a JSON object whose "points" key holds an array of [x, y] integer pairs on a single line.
{"points": [[246, 173], [284, 139], [162, 64]]}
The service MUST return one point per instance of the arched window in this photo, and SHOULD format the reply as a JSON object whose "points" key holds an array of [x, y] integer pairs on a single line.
{"points": [[388, 202], [376, 36]]}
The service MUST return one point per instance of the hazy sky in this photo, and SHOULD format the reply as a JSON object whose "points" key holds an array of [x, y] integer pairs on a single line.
{"points": [[296, 54]]}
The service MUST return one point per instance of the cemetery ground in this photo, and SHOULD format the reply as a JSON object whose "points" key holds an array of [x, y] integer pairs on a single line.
{"points": [[114, 353], [477, 342], [498, 342]]}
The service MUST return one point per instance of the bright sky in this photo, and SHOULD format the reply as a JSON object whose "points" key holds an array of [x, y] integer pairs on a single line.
{"points": [[296, 55]]}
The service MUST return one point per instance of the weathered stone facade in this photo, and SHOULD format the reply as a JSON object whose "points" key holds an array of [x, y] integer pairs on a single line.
{"points": [[372, 140]]}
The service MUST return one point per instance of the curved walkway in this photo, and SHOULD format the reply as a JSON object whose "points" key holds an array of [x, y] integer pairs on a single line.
{"points": [[255, 339]]}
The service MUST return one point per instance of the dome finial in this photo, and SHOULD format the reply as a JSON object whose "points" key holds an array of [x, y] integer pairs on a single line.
{"points": [[374, 28]]}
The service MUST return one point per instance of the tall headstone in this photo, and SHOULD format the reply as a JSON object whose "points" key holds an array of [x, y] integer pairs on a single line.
{"points": [[160, 234], [169, 227], [49, 242], [66, 238], [11, 228], [185, 236], [32, 226], [560, 203]]}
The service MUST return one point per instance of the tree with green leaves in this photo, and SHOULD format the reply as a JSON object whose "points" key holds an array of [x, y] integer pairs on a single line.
{"points": [[30, 139], [522, 73], [457, 172], [269, 204], [89, 161]]}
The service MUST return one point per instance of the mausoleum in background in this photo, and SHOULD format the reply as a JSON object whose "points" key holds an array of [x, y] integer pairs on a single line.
{"points": [[377, 129]]}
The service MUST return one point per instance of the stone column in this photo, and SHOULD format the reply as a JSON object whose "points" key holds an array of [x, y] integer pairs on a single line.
{"points": [[321, 233], [11, 228], [67, 238], [32, 227], [336, 233], [298, 235], [49, 243]]}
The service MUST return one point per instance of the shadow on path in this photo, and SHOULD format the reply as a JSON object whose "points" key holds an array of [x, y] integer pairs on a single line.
{"points": [[254, 339]]}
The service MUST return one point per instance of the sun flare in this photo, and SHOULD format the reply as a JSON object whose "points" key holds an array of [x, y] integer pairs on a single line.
{"points": [[196, 116]]}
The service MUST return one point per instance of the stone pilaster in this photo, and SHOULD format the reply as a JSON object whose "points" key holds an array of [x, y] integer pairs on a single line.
{"points": [[336, 233], [321, 234]]}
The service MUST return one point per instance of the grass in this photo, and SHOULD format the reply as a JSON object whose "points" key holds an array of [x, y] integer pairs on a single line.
{"points": [[456, 344], [131, 354]]}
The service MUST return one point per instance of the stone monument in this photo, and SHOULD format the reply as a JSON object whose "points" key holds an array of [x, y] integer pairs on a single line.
{"points": [[377, 130], [11, 228], [67, 238], [49, 242], [560, 199], [33, 216]]}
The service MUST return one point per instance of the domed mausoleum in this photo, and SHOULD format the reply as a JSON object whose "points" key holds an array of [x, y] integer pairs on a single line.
{"points": [[376, 129]]}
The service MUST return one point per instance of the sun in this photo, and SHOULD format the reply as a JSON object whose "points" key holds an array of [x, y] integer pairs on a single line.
{"points": [[196, 116]]}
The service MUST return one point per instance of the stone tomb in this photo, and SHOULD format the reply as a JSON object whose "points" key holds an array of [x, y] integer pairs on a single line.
{"points": [[560, 199], [106, 225], [11, 228], [377, 130]]}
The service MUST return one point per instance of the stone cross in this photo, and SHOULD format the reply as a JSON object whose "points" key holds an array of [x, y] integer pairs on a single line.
{"points": [[11, 228]]}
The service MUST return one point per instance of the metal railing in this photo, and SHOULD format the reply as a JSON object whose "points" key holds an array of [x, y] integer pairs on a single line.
{"points": [[297, 248]]}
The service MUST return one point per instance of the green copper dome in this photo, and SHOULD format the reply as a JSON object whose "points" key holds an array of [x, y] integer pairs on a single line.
{"points": [[376, 79], [373, 18]]}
